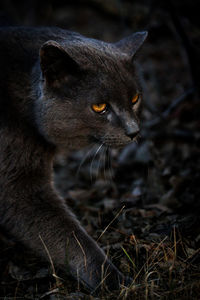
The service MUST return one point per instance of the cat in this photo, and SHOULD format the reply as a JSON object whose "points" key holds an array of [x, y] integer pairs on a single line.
{"points": [[60, 91]]}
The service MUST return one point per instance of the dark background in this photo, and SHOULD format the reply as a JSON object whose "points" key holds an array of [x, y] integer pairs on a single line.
{"points": [[157, 180]]}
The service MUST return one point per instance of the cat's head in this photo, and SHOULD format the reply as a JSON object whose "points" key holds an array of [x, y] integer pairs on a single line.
{"points": [[89, 91]]}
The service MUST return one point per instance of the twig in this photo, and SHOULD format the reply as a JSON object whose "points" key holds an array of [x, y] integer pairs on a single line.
{"points": [[171, 108], [176, 102], [51, 262], [54, 291], [47, 251], [110, 223], [85, 258]]}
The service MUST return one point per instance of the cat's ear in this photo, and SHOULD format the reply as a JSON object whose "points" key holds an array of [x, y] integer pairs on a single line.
{"points": [[131, 44], [56, 63]]}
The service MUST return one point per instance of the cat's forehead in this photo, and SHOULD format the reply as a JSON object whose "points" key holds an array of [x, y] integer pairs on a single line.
{"points": [[110, 71], [91, 53], [106, 62], [112, 89]]}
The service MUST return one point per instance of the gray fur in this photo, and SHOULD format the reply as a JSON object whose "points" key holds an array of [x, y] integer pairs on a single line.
{"points": [[49, 79]]}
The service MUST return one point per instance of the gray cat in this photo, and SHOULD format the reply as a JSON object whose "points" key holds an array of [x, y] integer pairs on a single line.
{"points": [[58, 91]]}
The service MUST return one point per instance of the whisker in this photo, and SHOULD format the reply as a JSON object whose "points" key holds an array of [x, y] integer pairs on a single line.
{"points": [[105, 164], [99, 162], [85, 157], [94, 159], [110, 164]]}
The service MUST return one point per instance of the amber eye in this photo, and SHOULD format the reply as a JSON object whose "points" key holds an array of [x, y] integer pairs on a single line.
{"points": [[135, 99], [99, 108]]}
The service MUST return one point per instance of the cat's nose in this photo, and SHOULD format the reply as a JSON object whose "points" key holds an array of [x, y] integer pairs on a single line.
{"points": [[132, 132]]}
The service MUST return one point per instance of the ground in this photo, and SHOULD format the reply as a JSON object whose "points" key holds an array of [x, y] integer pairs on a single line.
{"points": [[140, 203]]}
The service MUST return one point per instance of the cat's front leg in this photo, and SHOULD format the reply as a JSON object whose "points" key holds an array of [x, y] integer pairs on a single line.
{"points": [[80, 254], [89, 263], [46, 225]]}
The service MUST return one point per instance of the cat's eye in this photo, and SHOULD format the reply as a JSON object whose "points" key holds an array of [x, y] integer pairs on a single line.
{"points": [[135, 99], [99, 108]]}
